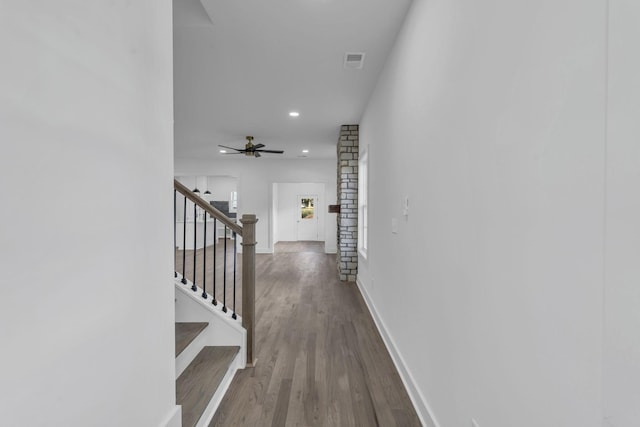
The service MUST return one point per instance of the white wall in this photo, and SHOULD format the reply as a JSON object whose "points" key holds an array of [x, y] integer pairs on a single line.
{"points": [[622, 292], [490, 117], [255, 185], [287, 212], [86, 294]]}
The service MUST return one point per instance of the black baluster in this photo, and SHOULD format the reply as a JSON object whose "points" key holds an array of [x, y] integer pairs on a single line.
{"points": [[224, 273], [175, 215], [184, 240], [235, 254], [214, 301], [204, 260], [195, 229]]}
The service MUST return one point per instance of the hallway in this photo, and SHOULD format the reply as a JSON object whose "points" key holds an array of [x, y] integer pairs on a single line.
{"points": [[321, 361]]}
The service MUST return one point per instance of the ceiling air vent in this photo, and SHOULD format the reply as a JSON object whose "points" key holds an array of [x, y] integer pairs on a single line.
{"points": [[353, 60]]}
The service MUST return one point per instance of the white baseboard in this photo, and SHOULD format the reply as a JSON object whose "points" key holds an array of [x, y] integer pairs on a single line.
{"points": [[419, 402], [174, 419], [330, 249]]}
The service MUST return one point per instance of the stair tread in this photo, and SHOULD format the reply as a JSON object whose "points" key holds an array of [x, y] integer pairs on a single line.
{"points": [[197, 384], [187, 332]]}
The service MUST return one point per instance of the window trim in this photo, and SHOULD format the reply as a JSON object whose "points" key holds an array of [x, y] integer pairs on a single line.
{"points": [[363, 202]]}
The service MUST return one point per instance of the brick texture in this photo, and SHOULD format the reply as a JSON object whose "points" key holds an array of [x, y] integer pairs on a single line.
{"points": [[347, 156]]}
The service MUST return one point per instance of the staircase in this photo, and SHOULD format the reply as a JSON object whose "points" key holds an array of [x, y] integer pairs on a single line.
{"points": [[213, 340], [201, 385]]}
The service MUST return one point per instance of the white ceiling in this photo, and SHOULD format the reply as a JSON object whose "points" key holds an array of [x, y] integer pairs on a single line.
{"points": [[242, 65]]}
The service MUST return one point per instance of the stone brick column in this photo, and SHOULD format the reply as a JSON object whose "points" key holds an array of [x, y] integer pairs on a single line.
{"points": [[348, 199]]}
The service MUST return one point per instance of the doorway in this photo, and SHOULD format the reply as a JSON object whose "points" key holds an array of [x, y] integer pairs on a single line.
{"points": [[287, 210]]}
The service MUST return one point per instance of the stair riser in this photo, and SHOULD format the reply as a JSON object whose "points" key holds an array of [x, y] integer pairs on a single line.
{"points": [[192, 350], [222, 330]]}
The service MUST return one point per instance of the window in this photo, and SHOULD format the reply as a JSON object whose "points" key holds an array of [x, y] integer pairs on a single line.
{"points": [[233, 201], [307, 209], [363, 211]]}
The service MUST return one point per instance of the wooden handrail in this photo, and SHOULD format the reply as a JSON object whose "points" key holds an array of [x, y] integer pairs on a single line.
{"points": [[219, 215]]}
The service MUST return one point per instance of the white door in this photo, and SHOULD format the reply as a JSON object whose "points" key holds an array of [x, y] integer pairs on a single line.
{"points": [[307, 217]]}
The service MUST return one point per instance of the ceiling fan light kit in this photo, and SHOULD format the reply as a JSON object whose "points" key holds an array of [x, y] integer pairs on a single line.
{"points": [[250, 149]]}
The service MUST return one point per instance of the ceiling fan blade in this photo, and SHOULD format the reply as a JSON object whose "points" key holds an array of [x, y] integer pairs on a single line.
{"points": [[231, 148], [271, 151], [250, 149]]}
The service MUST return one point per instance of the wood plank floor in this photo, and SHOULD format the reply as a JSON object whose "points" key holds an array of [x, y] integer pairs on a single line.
{"points": [[198, 383], [321, 361], [224, 293]]}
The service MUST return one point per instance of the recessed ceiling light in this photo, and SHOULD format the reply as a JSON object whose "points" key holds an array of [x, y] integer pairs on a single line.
{"points": [[294, 114], [305, 151], [223, 151]]}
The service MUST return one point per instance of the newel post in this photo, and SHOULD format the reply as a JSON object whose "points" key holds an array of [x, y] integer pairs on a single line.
{"points": [[249, 282]]}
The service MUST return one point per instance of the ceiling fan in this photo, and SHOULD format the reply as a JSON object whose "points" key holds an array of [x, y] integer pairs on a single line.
{"points": [[250, 149]]}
